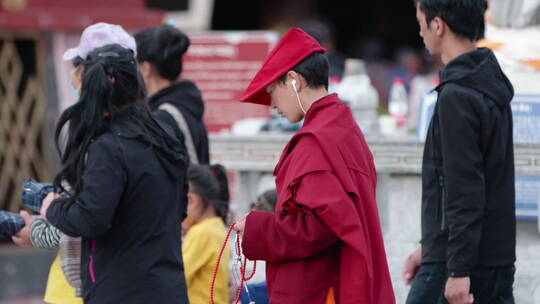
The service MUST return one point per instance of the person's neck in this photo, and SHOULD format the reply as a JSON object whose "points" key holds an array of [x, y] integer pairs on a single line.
{"points": [[455, 48], [310, 96], [157, 84], [209, 213]]}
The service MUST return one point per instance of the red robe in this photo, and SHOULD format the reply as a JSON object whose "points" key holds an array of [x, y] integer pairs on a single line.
{"points": [[326, 231]]}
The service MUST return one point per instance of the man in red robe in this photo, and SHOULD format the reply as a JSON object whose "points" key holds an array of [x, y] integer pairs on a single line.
{"points": [[324, 243]]}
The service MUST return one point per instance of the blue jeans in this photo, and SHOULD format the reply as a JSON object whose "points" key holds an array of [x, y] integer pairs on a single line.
{"points": [[257, 292], [488, 285]]}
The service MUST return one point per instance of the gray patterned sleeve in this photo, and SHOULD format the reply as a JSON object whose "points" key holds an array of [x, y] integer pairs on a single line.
{"points": [[44, 235]]}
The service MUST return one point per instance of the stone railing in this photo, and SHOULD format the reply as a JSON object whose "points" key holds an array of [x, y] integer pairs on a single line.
{"points": [[398, 163], [394, 155]]}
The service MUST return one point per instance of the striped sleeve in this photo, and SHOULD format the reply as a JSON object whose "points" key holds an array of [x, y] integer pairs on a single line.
{"points": [[44, 235]]}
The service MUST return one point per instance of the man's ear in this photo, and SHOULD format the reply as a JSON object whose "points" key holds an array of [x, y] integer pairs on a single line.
{"points": [[294, 81], [438, 26], [145, 68]]}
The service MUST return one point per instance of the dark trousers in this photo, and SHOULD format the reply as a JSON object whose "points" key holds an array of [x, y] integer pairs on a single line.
{"points": [[488, 285]]}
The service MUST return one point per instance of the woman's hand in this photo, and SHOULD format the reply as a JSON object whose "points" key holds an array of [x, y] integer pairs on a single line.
{"points": [[47, 202]]}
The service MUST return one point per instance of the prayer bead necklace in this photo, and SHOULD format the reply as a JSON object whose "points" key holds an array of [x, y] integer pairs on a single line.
{"points": [[241, 264]]}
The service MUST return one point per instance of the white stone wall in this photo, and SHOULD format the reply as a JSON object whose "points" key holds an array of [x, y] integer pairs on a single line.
{"points": [[401, 227], [399, 197], [399, 201]]}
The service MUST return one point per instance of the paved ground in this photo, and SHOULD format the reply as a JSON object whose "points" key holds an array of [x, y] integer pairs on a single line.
{"points": [[29, 300]]}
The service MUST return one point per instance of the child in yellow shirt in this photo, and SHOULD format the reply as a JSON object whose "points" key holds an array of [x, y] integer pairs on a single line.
{"points": [[58, 289], [208, 204]]}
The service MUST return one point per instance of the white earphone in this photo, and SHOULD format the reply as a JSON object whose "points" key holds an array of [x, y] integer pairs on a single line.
{"points": [[293, 84]]}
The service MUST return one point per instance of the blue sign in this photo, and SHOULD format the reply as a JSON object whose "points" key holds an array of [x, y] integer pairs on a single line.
{"points": [[526, 112], [527, 197], [427, 107]]}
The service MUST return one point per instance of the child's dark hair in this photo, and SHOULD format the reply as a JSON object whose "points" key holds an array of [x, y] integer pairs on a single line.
{"points": [[211, 183], [314, 69], [163, 47], [266, 201], [464, 17], [110, 82]]}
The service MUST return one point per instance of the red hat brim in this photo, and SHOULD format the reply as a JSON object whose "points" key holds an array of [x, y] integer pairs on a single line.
{"points": [[295, 46]]}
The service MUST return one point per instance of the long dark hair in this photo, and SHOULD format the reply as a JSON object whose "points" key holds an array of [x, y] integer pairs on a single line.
{"points": [[110, 81], [212, 185], [163, 47]]}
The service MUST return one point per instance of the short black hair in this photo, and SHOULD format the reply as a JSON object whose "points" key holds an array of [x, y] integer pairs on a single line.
{"points": [[464, 17], [162, 46], [314, 69]]}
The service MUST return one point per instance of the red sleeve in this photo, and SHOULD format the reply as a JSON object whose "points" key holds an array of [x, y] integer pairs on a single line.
{"points": [[298, 233]]}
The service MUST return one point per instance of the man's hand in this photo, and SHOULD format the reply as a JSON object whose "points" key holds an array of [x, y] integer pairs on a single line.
{"points": [[457, 291], [22, 238], [241, 225], [411, 266], [47, 202]]}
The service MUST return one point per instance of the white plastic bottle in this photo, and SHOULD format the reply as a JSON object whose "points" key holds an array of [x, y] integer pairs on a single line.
{"points": [[398, 106]]}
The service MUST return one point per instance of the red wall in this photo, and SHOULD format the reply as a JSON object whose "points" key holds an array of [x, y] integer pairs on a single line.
{"points": [[51, 15]]}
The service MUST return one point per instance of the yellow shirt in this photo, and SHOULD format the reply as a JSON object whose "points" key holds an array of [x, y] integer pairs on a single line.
{"points": [[58, 290], [200, 250]]}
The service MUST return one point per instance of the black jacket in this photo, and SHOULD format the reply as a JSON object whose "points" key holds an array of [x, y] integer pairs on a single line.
{"points": [[187, 98], [468, 196], [129, 214]]}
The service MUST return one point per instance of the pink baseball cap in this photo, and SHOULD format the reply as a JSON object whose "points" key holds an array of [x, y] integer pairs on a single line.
{"points": [[98, 35]]}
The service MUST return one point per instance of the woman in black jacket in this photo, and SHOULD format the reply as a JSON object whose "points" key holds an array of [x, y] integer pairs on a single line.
{"points": [[128, 186], [177, 102]]}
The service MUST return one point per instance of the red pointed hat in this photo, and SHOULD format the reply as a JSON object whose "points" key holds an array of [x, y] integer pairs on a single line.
{"points": [[295, 46]]}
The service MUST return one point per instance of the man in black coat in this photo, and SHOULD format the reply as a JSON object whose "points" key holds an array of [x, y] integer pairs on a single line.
{"points": [[468, 199]]}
